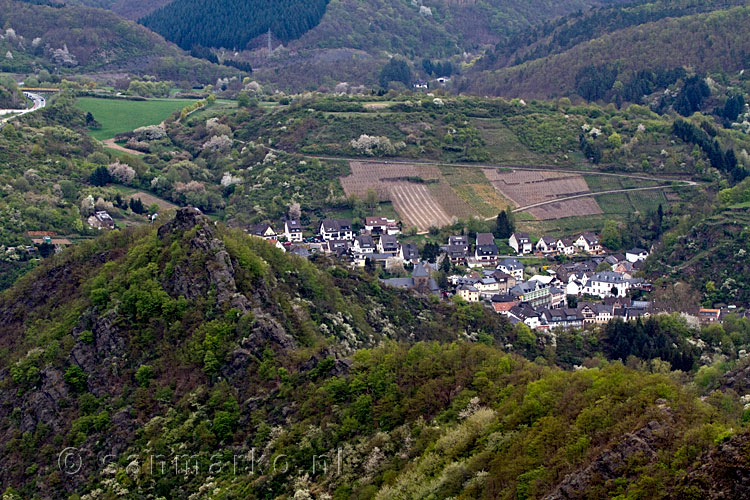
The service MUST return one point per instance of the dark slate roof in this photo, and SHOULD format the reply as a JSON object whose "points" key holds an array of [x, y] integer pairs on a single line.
{"points": [[334, 225], [419, 271], [410, 251], [293, 225], [510, 263], [485, 239]]}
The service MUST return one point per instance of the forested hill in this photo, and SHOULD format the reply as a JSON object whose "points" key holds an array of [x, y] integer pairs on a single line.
{"points": [[554, 37], [233, 23], [73, 38], [706, 42], [411, 29], [193, 340]]}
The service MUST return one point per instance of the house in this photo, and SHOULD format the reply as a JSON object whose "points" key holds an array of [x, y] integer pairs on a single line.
{"points": [[299, 251], [589, 243], [546, 245], [336, 229], [101, 220], [636, 255], [363, 244], [594, 313], [562, 318], [460, 240], [526, 314], [381, 225], [486, 251], [532, 292], [468, 292], [388, 244], [520, 242], [502, 303], [487, 287], [293, 231], [709, 315], [420, 84], [457, 249], [557, 297], [504, 281], [262, 231], [607, 283], [511, 266], [566, 246], [338, 248], [420, 281], [409, 253]]}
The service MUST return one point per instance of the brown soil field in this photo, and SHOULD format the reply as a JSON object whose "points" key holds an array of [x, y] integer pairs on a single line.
{"points": [[420, 204], [149, 199], [527, 187]]}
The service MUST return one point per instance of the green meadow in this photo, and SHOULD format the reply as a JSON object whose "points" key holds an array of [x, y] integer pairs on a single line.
{"points": [[117, 116]]}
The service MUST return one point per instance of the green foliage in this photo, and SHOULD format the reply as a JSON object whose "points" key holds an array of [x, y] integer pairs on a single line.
{"points": [[611, 235], [189, 23], [76, 378], [100, 176], [395, 70], [144, 374]]}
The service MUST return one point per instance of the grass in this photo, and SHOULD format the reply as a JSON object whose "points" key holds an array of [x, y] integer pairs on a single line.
{"points": [[503, 145], [472, 186], [118, 116], [563, 227], [384, 209]]}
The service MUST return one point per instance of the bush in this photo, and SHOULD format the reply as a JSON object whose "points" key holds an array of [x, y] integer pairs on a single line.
{"points": [[144, 375], [76, 378]]}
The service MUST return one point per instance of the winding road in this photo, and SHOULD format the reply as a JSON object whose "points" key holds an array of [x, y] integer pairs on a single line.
{"points": [[38, 100]]}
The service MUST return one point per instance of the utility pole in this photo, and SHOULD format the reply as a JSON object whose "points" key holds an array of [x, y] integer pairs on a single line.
{"points": [[270, 48]]}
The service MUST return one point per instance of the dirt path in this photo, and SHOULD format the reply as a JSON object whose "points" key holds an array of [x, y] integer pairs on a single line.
{"points": [[110, 143]]}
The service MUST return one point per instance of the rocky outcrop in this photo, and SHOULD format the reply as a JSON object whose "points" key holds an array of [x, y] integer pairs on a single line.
{"points": [[737, 380], [724, 473], [103, 356], [611, 463], [208, 266]]}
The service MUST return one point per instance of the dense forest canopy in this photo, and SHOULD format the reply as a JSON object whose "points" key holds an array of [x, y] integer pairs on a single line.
{"points": [[232, 24]]}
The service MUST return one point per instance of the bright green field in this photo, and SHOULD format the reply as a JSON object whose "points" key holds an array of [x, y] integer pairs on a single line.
{"points": [[118, 116]]}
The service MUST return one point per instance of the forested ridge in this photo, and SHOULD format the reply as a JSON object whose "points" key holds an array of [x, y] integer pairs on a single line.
{"points": [[233, 23], [189, 337], [706, 42]]}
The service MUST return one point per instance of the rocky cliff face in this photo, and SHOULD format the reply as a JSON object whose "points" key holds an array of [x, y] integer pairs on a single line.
{"points": [[723, 475], [642, 445]]}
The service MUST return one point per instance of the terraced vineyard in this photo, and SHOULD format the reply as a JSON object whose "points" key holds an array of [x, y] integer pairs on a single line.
{"points": [[419, 193], [527, 187]]}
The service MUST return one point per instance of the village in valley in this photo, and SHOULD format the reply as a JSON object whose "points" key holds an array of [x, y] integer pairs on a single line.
{"points": [[567, 282]]}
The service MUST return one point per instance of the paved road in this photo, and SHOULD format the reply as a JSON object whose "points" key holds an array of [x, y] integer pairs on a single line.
{"points": [[38, 100]]}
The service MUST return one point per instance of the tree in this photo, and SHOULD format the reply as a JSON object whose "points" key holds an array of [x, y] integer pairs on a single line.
{"points": [[243, 100], [445, 265], [371, 200], [136, 205], [503, 226], [611, 237], [430, 252], [100, 176], [395, 70]]}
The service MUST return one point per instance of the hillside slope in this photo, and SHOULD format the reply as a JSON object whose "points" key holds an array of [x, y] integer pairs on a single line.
{"points": [[68, 39], [396, 27], [133, 356], [705, 42]]}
